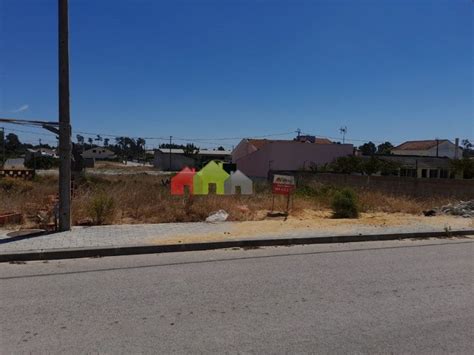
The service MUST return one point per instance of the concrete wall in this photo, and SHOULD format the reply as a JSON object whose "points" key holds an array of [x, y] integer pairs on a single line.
{"points": [[289, 156], [462, 189], [14, 164]]}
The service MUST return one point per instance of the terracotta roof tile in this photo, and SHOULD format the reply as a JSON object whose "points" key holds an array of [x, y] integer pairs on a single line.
{"points": [[323, 141], [419, 145]]}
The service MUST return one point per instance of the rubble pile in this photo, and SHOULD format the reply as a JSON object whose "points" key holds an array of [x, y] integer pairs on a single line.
{"points": [[462, 208]]}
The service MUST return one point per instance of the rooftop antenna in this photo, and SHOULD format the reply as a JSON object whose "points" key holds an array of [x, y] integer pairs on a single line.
{"points": [[343, 131]]}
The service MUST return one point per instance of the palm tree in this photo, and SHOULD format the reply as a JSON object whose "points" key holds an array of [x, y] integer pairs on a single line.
{"points": [[80, 139]]}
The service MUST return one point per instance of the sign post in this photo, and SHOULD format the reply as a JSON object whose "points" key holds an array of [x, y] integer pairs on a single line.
{"points": [[283, 185]]}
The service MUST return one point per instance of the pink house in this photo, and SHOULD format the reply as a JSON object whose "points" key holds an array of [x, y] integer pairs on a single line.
{"points": [[255, 157]]}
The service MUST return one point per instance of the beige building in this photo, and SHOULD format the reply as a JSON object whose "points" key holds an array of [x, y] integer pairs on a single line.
{"points": [[98, 153], [257, 157], [429, 148]]}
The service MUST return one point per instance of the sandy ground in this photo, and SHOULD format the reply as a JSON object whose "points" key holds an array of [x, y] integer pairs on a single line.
{"points": [[307, 221]]}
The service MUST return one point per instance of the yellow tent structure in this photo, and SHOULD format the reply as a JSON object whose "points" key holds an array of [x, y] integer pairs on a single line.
{"points": [[211, 174]]}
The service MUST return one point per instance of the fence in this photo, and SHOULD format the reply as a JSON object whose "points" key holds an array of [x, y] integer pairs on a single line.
{"points": [[416, 187], [22, 174]]}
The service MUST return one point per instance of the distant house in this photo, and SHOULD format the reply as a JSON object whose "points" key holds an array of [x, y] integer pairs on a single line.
{"points": [[164, 157], [98, 153], [14, 164], [179, 159], [257, 157], [211, 154], [182, 181], [429, 148], [238, 182], [420, 166], [211, 177], [42, 152]]}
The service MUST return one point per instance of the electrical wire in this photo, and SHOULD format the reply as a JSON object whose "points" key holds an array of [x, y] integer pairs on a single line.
{"points": [[210, 141]]}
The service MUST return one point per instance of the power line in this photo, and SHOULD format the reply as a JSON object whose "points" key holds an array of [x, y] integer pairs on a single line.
{"points": [[354, 139], [209, 140], [31, 132], [235, 138]]}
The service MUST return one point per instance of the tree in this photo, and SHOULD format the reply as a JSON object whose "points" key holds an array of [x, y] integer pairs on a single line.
{"points": [[12, 143], [347, 165], [99, 138], [221, 148], [371, 166], [106, 142], [1, 138], [385, 148], [468, 150], [389, 167], [90, 140], [80, 139], [41, 162], [368, 148], [190, 150], [466, 144], [171, 146], [140, 143], [463, 167]]}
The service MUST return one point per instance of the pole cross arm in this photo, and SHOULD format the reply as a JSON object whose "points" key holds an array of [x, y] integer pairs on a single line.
{"points": [[51, 129], [28, 122]]}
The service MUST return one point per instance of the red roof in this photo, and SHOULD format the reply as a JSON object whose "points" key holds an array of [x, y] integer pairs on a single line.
{"points": [[419, 145], [258, 143], [322, 141]]}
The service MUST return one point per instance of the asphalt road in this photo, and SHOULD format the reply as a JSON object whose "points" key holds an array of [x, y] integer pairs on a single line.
{"points": [[375, 297]]}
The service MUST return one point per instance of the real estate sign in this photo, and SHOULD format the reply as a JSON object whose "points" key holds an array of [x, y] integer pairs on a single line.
{"points": [[283, 184]]}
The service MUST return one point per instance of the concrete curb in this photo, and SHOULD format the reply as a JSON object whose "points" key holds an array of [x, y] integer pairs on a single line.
{"points": [[73, 253]]}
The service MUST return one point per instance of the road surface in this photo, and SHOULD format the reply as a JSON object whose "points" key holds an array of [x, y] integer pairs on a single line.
{"points": [[375, 297]]}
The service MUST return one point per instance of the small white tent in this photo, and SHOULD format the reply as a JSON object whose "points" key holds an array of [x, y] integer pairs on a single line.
{"points": [[237, 180]]}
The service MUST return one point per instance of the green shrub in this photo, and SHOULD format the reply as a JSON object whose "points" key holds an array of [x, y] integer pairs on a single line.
{"points": [[102, 208], [42, 163], [345, 204], [306, 191]]}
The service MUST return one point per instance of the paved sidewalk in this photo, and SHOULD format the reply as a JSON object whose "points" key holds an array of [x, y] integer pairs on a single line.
{"points": [[176, 233]]}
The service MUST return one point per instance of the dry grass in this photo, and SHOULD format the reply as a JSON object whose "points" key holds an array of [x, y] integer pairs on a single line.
{"points": [[119, 167], [374, 201], [143, 199]]}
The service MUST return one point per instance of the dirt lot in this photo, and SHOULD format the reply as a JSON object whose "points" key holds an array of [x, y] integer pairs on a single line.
{"points": [[130, 199], [308, 221]]}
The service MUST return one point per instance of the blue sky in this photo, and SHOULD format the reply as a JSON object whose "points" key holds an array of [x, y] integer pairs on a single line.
{"points": [[387, 69]]}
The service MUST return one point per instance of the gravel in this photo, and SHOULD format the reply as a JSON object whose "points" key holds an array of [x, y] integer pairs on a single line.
{"points": [[462, 208]]}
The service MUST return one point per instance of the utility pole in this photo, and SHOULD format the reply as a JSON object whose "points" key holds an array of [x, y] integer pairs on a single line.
{"points": [[64, 119], [171, 139], [3, 145]]}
